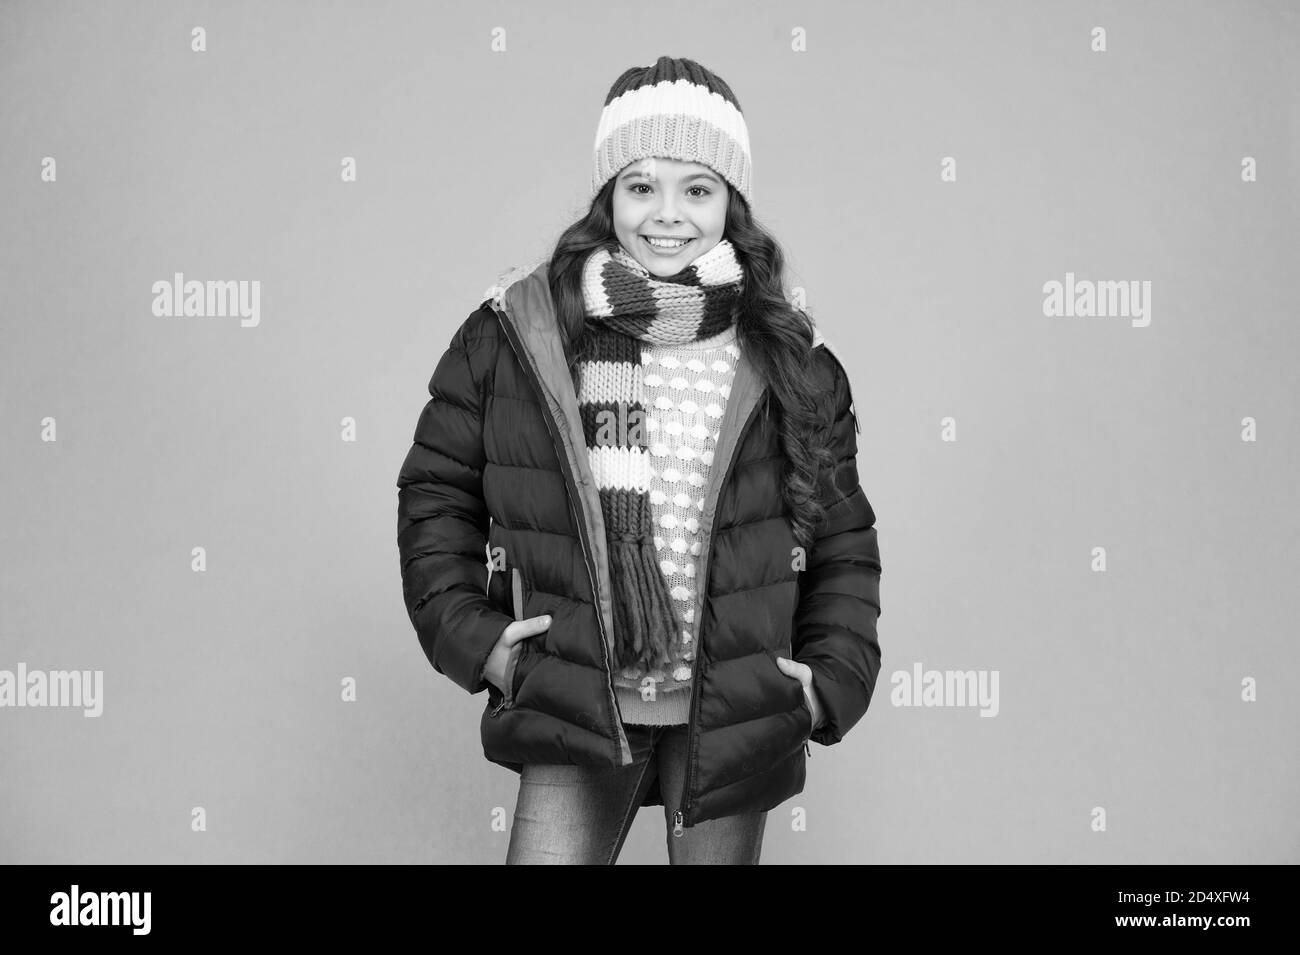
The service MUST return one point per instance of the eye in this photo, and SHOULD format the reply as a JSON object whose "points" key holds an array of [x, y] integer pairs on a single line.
{"points": [[704, 190]]}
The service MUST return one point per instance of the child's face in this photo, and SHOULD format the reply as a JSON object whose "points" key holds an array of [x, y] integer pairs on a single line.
{"points": [[669, 198]]}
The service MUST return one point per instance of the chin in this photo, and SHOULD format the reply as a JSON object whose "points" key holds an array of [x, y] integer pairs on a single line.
{"points": [[661, 270]]}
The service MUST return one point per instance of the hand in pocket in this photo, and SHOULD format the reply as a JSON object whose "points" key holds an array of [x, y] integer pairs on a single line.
{"points": [[494, 671], [804, 674]]}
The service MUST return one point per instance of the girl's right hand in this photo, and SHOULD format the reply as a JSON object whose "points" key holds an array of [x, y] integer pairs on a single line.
{"points": [[494, 671]]}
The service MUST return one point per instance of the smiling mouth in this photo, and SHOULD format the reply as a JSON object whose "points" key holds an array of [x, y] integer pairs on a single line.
{"points": [[664, 247]]}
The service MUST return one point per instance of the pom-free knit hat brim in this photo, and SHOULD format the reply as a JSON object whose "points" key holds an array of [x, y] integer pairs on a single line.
{"points": [[675, 109]]}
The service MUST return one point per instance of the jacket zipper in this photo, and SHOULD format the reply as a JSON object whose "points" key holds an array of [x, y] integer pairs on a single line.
{"points": [[688, 801], [572, 484]]}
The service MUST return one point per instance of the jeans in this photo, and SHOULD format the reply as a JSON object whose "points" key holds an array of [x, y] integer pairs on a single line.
{"points": [[580, 815]]}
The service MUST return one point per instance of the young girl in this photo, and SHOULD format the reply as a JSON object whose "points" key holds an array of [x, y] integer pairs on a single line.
{"points": [[656, 454]]}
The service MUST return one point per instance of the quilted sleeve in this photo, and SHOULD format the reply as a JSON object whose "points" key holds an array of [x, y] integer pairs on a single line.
{"points": [[839, 597], [442, 521]]}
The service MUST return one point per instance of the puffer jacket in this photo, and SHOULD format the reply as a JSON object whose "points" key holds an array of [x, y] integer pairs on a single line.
{"points": [[499, 519]]}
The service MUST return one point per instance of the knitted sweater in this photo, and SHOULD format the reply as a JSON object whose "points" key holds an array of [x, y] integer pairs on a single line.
{"points": [[686, 388]]}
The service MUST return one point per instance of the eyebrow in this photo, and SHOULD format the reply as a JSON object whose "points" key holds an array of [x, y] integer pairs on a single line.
{"points": [[640, 173]]}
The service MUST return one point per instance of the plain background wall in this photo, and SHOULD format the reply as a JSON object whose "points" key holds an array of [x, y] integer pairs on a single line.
{"points": [[1120, 690]]}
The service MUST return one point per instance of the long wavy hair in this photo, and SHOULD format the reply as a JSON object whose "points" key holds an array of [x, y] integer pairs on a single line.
{"points": [[775, 337]]}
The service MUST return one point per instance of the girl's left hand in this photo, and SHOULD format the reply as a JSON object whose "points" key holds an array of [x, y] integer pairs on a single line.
{"points": [[804, 674]]}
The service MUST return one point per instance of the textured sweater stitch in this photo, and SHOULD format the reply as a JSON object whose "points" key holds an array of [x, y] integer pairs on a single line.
{"points": [[685, 387]]}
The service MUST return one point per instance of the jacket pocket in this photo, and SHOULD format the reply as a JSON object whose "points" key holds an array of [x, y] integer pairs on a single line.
{"points": [[518, 650], [803, 703]]}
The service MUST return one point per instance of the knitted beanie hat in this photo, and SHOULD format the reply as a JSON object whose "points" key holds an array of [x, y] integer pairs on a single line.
{"points": [[674, 109]]}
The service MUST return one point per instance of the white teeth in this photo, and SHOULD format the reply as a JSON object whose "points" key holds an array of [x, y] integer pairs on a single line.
{"points": [[667, 243]]}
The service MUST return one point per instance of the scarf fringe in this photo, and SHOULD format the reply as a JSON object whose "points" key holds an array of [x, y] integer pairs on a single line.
{"points": [[645, 625]]}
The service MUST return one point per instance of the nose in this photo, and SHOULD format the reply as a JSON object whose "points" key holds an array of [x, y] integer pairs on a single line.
{"points": [[667, 211]]}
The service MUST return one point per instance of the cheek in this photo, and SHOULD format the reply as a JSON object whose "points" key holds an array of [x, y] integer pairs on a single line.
{"points": [[626, 225], [626, 214], [717, 218]]}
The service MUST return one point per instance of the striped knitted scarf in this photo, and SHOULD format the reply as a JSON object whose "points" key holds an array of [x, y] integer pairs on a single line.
{"points": [[627, 305]]}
